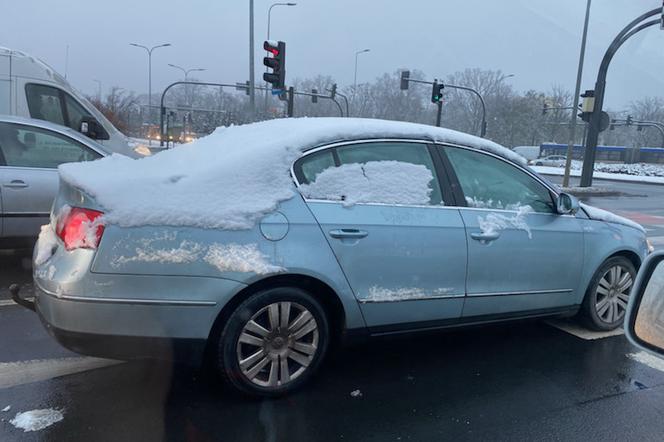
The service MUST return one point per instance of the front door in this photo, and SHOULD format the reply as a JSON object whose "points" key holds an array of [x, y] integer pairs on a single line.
{"points": [[522, 255], [381, 207]]}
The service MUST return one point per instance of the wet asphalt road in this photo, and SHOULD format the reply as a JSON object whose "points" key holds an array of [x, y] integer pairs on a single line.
{"points": [[522, 381]]}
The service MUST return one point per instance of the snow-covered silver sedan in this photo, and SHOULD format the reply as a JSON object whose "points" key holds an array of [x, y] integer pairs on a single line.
{"points": [[261, 245]]}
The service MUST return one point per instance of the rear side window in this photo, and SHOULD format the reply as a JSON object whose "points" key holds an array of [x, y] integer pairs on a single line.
{"points": [[54, 105], [381, 172], [490, 183], [26, 146]]}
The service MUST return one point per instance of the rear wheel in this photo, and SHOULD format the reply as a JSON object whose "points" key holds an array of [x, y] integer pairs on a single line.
{"points": [[607, 296], [273, 342]]}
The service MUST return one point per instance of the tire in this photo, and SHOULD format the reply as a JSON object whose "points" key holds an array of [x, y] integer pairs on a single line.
{"points": [[606, 298], [255, 364]]}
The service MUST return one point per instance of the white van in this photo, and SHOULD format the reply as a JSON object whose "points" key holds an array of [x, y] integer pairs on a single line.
{"points": [[30, 88]]}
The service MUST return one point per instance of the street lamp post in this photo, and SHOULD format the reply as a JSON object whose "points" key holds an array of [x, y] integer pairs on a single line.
{"points": [[269, 18], [149, 51], [355, 76], [98, 89]]}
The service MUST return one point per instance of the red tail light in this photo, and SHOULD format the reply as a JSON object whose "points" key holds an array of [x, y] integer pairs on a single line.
{"points": [[80, 229]]}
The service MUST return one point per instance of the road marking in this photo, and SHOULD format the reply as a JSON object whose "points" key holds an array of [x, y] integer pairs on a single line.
{"points": [[582, 332], [648, 359], [6, 302], [26, 372]]}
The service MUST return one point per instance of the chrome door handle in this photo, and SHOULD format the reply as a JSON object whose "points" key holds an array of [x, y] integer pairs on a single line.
{"points": [[485, 237], [16, 184], [348, 233]]}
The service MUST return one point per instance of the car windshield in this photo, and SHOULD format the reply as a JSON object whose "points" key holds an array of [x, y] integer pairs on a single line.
{"points": [[331, 220]]}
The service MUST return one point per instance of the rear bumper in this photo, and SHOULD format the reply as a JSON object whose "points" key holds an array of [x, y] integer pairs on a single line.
{"points": [[189, 351]]}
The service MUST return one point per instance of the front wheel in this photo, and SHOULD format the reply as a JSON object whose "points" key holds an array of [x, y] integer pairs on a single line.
{"points": [[273, 342], [606, 299]]}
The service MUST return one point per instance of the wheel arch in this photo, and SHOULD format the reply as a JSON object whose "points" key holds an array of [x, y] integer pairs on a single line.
{"points": [[321, 291]]}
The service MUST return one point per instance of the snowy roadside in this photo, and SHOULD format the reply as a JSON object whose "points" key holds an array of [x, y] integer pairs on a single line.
{"points": [[548, 170]]}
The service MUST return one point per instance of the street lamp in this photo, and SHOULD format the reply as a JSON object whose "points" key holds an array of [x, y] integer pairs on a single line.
{"points": [[186, 78], [149, 51], [269, 18], [355, 76]]}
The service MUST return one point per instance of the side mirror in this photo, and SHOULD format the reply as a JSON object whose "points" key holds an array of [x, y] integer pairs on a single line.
{"points": [[644, 322], [91, 128], [567, 204]]}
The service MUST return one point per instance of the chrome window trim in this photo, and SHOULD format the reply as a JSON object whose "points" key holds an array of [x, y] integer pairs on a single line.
{"points": [[527, 171]]}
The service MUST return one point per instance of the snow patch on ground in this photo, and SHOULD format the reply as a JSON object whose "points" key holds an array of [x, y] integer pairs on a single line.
{"points": [[654, 179], [648, 359], [239, 258], [604, 215], [186, 252], [46, 242], [356, 393], [35, 420], [234, 176], [7, 408], [494, 222], [382, 294], [388, 182]]}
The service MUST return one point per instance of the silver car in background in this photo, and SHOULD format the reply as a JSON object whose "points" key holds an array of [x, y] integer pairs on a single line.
{"points": [[30, 152]]}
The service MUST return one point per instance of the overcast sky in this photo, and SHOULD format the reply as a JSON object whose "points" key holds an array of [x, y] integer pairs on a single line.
{"points": [[537, 40]]}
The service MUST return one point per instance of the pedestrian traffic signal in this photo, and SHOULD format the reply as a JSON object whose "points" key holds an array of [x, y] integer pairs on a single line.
{"points": [[277, 78], [405, 76], [437, 92]]}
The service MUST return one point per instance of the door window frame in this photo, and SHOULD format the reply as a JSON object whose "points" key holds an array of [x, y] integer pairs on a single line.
{"points": [[458, 191], [448, 197]]}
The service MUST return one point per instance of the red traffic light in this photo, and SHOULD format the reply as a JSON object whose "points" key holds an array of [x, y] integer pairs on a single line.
{"points": [[272, 47]]}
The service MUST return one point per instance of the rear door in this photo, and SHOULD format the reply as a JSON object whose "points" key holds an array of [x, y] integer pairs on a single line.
{"points": [[29, 176], [522, 255], [401, 248]]}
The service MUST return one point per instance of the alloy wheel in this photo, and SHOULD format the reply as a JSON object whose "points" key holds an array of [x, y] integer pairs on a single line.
{"points": [[613, 294], [277, 344]]}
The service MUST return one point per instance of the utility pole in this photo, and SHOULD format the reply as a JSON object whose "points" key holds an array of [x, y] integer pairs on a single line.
{"points": [[577, 91], [252, 94]]}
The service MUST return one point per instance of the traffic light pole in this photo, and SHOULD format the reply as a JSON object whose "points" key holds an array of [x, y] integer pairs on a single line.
{"points": [[600, 86], [483, 126], [439, 113]]}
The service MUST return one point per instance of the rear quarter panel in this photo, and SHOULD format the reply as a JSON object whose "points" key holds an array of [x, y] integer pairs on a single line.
{"points": [[184, 251]]}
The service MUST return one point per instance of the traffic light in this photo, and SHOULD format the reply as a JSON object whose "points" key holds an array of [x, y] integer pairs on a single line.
{"points": [[437, 92], [277, 78], [629, 120], [314, 95], [333, 91], [405, 76], [545, 108]]}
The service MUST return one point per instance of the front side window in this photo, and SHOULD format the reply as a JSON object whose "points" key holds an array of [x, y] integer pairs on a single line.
{"points": [[25, 146], [490, 183], [382, 172], [54, 105]]}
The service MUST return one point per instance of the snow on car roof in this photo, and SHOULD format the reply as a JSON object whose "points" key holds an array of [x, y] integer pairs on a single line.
{"points": [[232, 177]]}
